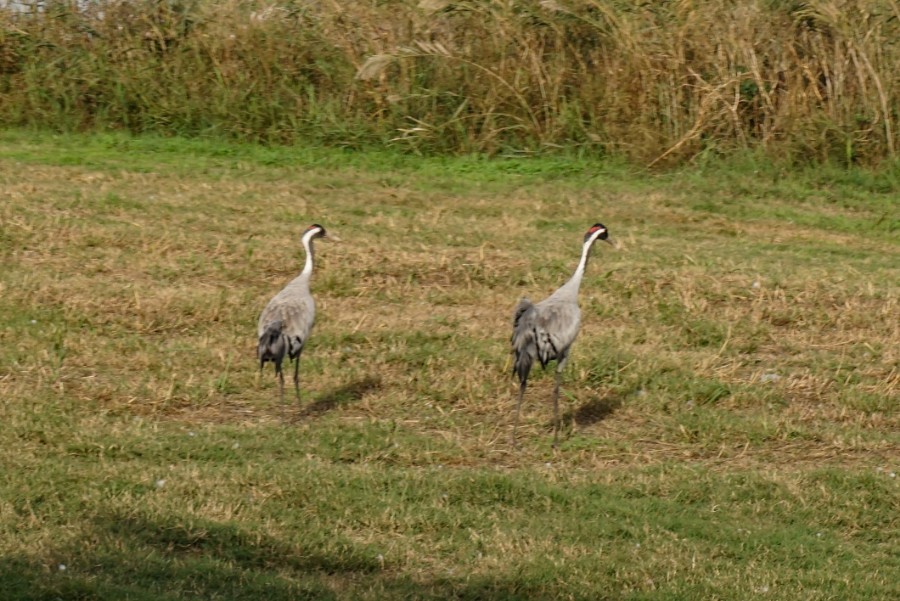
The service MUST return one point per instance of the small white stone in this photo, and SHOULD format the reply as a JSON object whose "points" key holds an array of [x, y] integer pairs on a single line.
{"points": [[769, 378], [892, 475], [191, 434], [34, 321], [62, 567], [160, 483], [236, 445], [755, 284]]}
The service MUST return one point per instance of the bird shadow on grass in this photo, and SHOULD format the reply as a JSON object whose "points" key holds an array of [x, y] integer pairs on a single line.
{"points": [[342, 395], [594, 411]]}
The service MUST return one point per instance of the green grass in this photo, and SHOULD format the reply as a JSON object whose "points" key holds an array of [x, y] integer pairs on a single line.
{"points": [[730, 412]]}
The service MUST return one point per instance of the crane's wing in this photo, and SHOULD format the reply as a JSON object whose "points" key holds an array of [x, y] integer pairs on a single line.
{"points": [[523, 339], [542, 331], [555, 327], [271, 345], [521, 309], [296, 315]]}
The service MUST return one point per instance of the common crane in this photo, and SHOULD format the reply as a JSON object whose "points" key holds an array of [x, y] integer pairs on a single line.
{"points": [[286, 322], [545, 331]]}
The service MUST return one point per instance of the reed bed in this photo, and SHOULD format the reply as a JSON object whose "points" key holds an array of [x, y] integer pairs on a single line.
{"points": [[659, 83]]}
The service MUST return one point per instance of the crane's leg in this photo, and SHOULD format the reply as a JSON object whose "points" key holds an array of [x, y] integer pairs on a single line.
{"points": [[556, 410], [560, 365], [280, 374], [297, 377], [518, 410]]}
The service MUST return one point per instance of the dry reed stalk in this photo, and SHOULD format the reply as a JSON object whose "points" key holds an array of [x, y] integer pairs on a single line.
{"points": [[815, 81]]}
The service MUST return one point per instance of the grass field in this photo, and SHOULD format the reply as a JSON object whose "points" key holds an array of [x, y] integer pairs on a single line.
{"points": [[731, 410]]}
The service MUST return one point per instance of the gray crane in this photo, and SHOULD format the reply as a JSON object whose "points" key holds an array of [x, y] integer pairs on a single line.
{"points": [[286, 322], [546, 330]]}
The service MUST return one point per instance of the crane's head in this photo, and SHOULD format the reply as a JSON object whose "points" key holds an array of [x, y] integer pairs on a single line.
{"points": [[598, 231], [317, 231]]}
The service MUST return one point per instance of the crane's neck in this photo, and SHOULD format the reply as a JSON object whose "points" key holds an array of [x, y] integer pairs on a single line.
{"points": [[574, 283], [308, 247]]}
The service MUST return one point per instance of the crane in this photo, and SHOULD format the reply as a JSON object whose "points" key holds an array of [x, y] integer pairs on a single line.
{"points": [[546, 330], [286, 322]]}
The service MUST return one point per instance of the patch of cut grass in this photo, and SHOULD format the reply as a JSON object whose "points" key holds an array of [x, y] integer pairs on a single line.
{"points": [[730, 411]]}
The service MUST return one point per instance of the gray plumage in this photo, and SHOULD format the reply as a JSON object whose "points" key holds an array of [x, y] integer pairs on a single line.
{"points": [[545, 331], [286, 322]]}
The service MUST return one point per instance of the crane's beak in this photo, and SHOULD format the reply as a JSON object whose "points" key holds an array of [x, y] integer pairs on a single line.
{"points": [[611, 242], [332, 238]]}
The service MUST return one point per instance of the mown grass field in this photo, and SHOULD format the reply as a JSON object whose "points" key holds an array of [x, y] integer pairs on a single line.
{"points": [[731, 411]]}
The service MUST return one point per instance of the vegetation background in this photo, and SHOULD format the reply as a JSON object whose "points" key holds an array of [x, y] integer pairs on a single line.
{"points": [[732, 407], [657, 82]]}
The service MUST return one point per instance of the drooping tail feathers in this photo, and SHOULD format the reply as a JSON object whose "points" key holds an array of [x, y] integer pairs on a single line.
{"points": [[272, 345], [524, 345]]}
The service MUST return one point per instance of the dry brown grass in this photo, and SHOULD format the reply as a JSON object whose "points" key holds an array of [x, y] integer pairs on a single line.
{"points": [[141, 451], [144, 288], [659, 83]]}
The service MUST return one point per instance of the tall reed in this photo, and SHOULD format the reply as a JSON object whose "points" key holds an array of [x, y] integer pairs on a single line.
{"points": [[658, 82]]}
